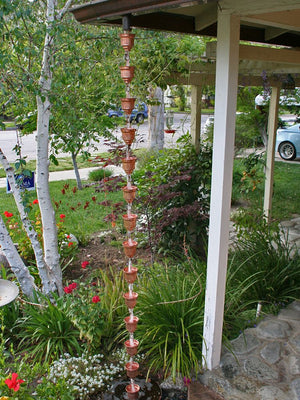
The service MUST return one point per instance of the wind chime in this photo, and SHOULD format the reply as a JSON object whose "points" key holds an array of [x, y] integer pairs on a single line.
{"points": [[129, 245]]}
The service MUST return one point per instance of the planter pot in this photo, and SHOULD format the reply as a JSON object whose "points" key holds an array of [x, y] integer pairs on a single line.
{"points": [[132, 391], [131, 347], [132, 369], [130, 276], [130, 299], [127, 105], [129, 222], [127, 40], [130, 248], [128, 164], [128, 135], [172, 131], [129, 193], [131, 323], [127, 73]]}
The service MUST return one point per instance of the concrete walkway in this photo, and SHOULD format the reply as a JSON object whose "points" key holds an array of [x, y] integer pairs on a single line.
{"points": [[264, 363], [70, 174]]}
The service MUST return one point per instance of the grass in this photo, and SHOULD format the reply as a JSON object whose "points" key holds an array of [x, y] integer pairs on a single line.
{"points": [[84, 216], [286, 191], [64, 164]]}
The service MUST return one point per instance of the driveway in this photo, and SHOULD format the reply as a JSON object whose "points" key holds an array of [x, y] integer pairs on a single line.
{"points": [[8, 138]]}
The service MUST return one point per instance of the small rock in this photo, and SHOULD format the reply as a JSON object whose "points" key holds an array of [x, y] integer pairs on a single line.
{"points": [[294, 365], [271, 352], [245, 343], [257, 369], [296, 388], [244, 384], [295, 341], [229, 366], [272, 393], [272, 329]]}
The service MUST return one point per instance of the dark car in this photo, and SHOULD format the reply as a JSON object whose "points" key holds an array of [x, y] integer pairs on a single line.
{"points": [[139, 113]]}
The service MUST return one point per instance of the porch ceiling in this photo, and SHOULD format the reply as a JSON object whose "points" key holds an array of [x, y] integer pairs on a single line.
{"points": [[265, 21]]}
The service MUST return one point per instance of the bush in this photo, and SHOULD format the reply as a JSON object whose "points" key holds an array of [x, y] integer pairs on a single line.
{"points": [[171, 307], [97, 175], [174, 188], [46, 331]]}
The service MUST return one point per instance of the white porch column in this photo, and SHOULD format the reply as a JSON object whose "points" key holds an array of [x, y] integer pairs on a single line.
{"points": [[269, 170], [223, 152], [196, 116]]}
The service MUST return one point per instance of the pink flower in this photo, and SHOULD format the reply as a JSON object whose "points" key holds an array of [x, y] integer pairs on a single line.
{"points": [[84, 264], [70, 244], [14, 383], [96, 299], [62, 216], [35, 201], [186, 381]]}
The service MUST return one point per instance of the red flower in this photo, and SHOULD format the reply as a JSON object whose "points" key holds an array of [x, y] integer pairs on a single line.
{"points": [[94, 198], [86, 205], [14, 383], [74, 190], [73, 285], [63, 191], [96, 299], [84, 264], [35, 201], [8, 214], [62, 216], [94, 283], [68, 236], [67, 289], [70, 244]]}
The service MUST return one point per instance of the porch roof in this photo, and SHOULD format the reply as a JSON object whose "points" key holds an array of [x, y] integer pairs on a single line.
{"points": [[273, 22]]}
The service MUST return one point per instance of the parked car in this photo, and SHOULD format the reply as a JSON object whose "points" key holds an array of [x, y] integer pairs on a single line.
{"points": [[139, 113], [288, 142]]}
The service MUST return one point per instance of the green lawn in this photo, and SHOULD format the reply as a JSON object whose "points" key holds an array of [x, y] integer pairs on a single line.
{"points": [[84, 214], [286, 190]]}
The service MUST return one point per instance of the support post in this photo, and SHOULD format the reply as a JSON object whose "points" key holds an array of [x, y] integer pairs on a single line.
{"points": [[223, 153], [269, 170], [196, 116]]}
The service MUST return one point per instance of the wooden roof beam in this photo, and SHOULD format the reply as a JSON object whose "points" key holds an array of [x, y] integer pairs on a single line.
{"points": [[207, 17], [259, 53]]}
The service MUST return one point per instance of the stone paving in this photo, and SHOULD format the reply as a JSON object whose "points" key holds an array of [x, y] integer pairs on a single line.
{"points": [[263, 363]]}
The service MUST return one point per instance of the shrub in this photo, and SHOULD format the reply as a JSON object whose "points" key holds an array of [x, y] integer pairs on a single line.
{"points": [[171, 306], [97, 175], [174, 188], [46, 330]]}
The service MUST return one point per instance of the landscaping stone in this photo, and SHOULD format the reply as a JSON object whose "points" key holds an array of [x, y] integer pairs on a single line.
{"points": [[273, 329], [271, 352], [244, 343], [256, 368], [296, 388], [272, 393], [265, 364]]}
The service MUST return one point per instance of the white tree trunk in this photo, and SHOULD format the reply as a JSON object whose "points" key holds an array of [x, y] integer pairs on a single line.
{"points": [[156, 119], [43, 117], [16, 263], [48, 282], [76, 170]]}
